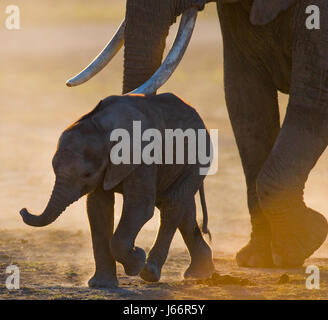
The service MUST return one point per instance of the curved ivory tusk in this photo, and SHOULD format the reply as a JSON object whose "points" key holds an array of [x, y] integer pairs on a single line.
{"points": [[174, 57], [104, 57]]}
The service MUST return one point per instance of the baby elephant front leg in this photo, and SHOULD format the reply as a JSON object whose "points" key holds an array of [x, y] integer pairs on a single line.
{"points": [[100, 207], [139, 194], [134, 216]]}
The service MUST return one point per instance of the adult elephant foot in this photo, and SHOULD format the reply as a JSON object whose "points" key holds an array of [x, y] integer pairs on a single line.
{"points": [[296, 236], [103, 281], [257, 253]]}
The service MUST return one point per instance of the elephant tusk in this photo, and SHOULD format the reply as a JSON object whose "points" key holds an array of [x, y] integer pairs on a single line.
{"points": [[174, 57], [104, 57]]}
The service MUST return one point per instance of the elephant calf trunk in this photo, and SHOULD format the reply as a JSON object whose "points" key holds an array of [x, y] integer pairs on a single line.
{"points": [[36, 221], [56, 206]]}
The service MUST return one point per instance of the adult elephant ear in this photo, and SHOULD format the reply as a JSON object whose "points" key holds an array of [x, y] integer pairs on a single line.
{"points": [[264, 11], [121, 123]]}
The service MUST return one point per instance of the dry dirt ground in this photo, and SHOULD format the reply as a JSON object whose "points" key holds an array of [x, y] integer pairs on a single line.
{"points": [[54, 42]]}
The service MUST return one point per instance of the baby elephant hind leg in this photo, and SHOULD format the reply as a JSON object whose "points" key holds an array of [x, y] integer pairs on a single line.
{"points": [[201, 266], [171, 216], [182, 216], [178, 210]]}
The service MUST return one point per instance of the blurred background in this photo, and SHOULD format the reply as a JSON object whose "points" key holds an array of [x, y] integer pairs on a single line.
{"points": [[59, 38]]}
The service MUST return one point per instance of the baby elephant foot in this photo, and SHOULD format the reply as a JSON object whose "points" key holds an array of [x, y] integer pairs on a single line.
{"points": [[201, 266], [296, 236], [135, 261], [199, 270], [150, 272], [101, 280]]}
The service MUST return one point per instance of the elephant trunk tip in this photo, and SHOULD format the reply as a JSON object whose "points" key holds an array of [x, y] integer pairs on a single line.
{"points": [[31, 220], [24, 214]]}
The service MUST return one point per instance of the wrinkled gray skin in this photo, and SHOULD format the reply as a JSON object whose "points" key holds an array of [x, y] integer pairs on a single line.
{"points": [[82, 166], [267, 49]]}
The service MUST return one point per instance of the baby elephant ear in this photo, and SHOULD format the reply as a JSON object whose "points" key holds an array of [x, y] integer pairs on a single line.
{"points": [[121, 150], [264, 11], [116, 174], [119, 122]]}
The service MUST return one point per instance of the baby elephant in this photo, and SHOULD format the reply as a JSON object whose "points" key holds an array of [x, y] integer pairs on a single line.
{"points": [[99, 155]]}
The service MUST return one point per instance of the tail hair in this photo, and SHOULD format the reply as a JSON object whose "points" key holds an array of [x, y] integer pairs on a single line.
{"points": [[205, 229]]}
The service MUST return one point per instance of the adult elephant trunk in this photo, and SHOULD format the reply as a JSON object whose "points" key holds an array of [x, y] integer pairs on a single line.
{"points": [[144, 48], [144, 32], [60, 199]]}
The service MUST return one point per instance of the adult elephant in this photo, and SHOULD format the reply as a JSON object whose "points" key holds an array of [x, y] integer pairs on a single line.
{"points": [[267, 49]]}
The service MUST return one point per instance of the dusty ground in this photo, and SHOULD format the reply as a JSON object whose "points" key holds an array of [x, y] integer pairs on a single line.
{"points": [[54, 42], [56, 264]]}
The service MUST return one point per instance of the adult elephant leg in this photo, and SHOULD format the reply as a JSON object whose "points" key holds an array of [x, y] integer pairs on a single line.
{"points": [[201, 265], [253, 109], [297, 231], [139, 194], [100, 207]]}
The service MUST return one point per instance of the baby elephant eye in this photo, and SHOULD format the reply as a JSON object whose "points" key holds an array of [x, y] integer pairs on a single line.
{"points": [[87, 175]]}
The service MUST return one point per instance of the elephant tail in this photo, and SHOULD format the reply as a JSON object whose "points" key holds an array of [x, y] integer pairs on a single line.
{"points": [[205, 214]]}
